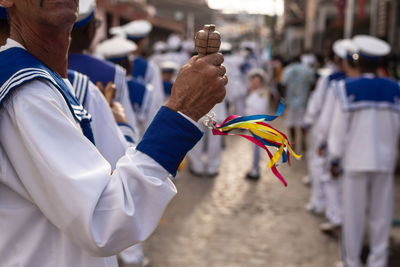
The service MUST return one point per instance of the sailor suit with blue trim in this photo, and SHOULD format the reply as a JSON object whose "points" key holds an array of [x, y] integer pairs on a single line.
{"points": [[60, 200], [111, 140], [364, 136], [99, 70]]}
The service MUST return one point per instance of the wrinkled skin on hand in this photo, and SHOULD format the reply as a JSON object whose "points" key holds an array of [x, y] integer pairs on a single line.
{"points": [[119, 112], [200, 85]]}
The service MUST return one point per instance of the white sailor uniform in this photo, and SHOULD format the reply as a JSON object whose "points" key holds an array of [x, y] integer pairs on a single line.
{"points": [[364, 136], [111, 141], [99, 70], [331, 187], [61, 203]]}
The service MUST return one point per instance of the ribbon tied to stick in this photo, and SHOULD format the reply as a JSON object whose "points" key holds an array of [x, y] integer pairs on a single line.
{"points": [[262, 135]]}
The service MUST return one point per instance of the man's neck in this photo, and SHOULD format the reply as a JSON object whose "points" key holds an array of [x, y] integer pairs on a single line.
{"points": [[51, 48]]}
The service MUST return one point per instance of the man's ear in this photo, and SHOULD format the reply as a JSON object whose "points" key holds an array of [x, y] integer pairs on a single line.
{"points": [[6, 3]]}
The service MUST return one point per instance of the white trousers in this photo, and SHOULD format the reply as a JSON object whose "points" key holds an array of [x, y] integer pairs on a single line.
{"points": [[316, 170], [333, 194], [255, 169], [211, 146], [364, 192]]}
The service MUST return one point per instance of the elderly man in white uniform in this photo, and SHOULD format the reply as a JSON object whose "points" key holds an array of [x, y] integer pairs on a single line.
{"points": [[363, 142], [61, 202]]}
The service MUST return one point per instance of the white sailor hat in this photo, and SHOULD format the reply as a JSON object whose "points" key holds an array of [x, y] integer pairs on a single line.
{"points": [[174, 41], [225, 47], [169, 66], [159, 46], [137, 29], [116, 49], [257, 72], [344, 47], [370, 47], [86, 12], [117, 31], [3, 13]]}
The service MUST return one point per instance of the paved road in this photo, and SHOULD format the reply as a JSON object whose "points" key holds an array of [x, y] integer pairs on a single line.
{"points": [[229, 221]]}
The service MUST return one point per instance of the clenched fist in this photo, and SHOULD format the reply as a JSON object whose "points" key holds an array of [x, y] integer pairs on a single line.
{"points": [[200, 85]]}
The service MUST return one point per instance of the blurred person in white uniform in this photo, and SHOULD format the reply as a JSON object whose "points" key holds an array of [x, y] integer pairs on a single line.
{"points": [[236, 88], [256, 104], [159, 52], [117, 50], [317, 165], [249, 59], [169, 70], [363, 144], [175, 52], [144, 70], [332, 185], [98, 70]]}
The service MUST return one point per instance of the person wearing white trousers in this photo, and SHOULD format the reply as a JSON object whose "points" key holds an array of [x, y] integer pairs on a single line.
{"points": [[363, 143], [362, 191]]}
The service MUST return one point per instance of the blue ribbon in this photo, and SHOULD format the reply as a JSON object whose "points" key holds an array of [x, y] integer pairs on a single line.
{"points": [[281, 107]]}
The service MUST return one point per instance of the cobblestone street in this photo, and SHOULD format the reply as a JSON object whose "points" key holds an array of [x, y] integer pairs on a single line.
{"points": [[230, 221]]}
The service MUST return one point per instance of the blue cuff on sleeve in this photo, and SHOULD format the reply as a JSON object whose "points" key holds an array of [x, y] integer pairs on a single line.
{"points": [[169, 137]]}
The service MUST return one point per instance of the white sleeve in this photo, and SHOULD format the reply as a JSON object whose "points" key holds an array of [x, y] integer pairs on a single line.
{"points": [[316, 100], [108, 137], [101, 210], [337, 131]]}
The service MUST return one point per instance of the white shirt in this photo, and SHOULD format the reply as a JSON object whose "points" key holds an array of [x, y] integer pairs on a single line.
{"points": [[365, 139], [108, 137], [60, 202], [257, 102], [316, 100], [324, 121]]}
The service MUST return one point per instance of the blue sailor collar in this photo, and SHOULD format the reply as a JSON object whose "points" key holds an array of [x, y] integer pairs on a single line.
{"points": [[368, 91], [19, 67]]}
